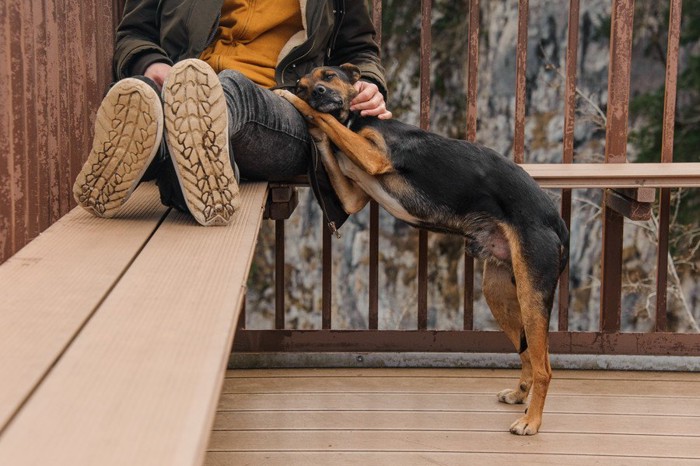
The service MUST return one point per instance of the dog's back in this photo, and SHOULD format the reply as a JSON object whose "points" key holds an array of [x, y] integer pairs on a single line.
{"points": [[446, 182]]}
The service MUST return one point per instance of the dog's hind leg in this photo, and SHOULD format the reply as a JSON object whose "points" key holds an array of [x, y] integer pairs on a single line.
{"points": [[535, 259], [501, 295]]}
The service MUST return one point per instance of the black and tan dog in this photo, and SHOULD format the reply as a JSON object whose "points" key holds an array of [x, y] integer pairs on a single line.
{"points": [[452, 186]]}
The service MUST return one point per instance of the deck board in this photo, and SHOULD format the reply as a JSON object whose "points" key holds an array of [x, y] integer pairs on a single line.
{"points": [[157, 328], [455, 441], [456, 385], [451, 417], [432, 458], [44, 301], [447, 402], [489, 421]]}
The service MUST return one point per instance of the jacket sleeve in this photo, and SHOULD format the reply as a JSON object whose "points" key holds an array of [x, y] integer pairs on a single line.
{"points": [[138, 39], [355, 44]]}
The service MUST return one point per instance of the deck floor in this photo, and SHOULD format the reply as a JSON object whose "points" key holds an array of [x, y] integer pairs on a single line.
{"points": [[451, 417]]}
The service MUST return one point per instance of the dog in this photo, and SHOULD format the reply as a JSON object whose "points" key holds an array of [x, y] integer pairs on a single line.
{"points": [[450, 186]]}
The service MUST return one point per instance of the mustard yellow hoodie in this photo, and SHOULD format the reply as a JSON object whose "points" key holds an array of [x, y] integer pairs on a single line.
{"points": [[251, 35]]}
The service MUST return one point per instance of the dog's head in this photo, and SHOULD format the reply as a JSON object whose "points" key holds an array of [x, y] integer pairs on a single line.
{"points": [[329, 89]]}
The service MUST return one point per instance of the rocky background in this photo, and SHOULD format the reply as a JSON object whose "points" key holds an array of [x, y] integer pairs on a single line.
{"points": [[543, 143]]}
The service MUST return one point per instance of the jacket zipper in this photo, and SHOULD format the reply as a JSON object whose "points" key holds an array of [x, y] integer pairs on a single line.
{"points": [[340, 14], [313, 44], [293, 63]]}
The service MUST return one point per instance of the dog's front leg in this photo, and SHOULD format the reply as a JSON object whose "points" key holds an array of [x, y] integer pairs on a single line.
{"points": [[350, 194], [365, 149]]}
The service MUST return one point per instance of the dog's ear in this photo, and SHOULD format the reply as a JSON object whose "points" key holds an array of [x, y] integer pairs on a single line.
{"points": [[352, 71]]}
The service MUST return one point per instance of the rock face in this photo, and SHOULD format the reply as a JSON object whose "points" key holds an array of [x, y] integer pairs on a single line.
{"points": [[547, 35]]}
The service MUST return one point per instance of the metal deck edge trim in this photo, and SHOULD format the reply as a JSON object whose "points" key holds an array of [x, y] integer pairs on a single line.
{"points": [[458, 360]]}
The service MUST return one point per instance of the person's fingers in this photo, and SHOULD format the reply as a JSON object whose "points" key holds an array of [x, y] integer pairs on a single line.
{"points": [[363, 96], [381, 113], [365, 91], [158, 73], [369, 101], [373, 102]]}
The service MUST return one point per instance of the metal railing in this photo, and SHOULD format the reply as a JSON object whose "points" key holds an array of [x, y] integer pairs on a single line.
{"points": [[616, 205]]}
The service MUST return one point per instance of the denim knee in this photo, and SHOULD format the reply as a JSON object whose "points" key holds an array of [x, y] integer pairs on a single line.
{"points": [[235, 80]]}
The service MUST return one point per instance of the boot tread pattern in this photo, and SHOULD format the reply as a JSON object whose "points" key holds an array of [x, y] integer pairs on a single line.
{"points": [[128, 129], [197, 135]]}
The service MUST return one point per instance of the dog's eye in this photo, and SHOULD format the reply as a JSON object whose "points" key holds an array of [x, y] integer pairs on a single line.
{"points": [[329, 77], [299, 90]]}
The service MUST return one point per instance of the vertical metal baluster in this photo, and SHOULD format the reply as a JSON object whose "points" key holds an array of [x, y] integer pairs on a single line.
{"points": [[616, 152], [520, 76], [326, 285], [373, 320], [568, 154], [472, 84], [241, 316], [279, 274], [674, 28], [425, 47]]}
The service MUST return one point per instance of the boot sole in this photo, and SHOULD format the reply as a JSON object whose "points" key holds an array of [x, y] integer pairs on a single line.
{"points": [[128, 132], [196, 131]]}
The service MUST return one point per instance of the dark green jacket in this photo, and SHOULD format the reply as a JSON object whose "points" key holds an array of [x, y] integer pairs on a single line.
{"points": [[338, 31]]}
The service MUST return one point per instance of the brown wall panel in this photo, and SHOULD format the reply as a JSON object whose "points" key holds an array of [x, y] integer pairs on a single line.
{"points": [[6, 165], [55, 65]]}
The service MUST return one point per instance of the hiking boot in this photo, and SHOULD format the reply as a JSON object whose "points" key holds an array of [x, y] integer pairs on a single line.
{"points": [[196, 132], [128, 132]]}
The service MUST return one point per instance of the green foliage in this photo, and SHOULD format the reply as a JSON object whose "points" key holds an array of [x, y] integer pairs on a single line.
{"points": [[690, 27], [601, 32]]}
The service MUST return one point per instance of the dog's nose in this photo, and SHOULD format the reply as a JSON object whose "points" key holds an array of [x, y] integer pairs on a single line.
{"points": [[319, 90]]}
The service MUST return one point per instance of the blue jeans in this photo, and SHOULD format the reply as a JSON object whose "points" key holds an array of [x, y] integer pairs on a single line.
{"points": [[268, 138]]}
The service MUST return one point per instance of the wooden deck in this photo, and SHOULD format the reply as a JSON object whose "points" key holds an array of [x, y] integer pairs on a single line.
{"points": [[451, 417]]}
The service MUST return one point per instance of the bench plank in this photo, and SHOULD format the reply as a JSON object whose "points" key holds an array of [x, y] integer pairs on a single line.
{"points": [[615, 175], [140, 384], [47, 293]]}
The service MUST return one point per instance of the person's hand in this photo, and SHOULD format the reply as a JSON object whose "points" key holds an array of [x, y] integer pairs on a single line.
{"points": [[369, 101], [158, 73]]}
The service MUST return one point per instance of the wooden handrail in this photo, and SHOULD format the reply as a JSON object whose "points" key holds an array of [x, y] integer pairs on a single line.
{"points": [[615, 175], [599, 175]]}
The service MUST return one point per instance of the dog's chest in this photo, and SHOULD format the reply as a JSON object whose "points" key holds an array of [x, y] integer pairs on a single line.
{"points": [[374, 189]]}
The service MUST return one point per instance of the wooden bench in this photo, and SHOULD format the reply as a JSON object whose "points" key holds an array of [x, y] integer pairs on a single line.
{"points": [[114, 334]]}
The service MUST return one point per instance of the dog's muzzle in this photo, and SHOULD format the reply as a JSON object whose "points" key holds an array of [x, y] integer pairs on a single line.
{"points": [[325, 100]]}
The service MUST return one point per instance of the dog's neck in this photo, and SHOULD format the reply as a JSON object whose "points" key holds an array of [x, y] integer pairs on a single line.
{"points": [[351, 119]]}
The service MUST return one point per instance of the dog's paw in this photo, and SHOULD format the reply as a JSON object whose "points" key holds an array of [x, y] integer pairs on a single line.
{"points": [[525, 426], [317, 135], [302, 107], [284, 93], [512, 397]]}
